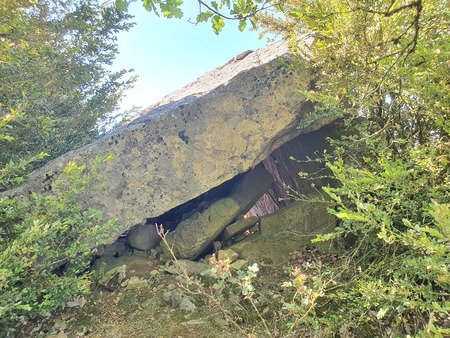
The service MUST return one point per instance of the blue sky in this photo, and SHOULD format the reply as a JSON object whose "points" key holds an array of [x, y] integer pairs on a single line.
{"points": [[167, 54]]}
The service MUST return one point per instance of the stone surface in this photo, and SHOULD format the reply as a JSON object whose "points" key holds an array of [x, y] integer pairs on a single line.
{"points": [[195, 234], [290, 228], [179, 300], [115, 249], [143, 237], [229, 254], [238, 227], [114, 277], [135, 283], [78, 302], [240, 264], [222, 124], [183, 265]]}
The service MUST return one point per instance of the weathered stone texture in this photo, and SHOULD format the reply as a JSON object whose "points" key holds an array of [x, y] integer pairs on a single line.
{"points": [[289, 229], [223, 124], [193, 235]]}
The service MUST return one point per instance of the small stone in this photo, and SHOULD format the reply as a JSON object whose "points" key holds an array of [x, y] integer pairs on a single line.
{"points": [[77, 302], [115, 249], [240, 264], [191, 267], [59, 335], [60, 325], [177, 299], [135, 283], [227, 254], [114, 277], [143, 237], [154, 273], [186, 305]]}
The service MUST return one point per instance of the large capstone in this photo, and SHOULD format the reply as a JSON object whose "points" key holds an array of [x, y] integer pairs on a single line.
{"points": [[221, 125]]}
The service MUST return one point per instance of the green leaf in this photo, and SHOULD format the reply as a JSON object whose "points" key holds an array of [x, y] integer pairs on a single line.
{"points": [[171, 11], [149, 5], [242, 25], [6, 138], [204, 16], [351, 216], [217, 23], [121, 5], [214, 5]]}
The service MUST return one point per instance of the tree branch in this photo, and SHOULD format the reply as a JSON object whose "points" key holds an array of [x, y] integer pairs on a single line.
{"points": [[388, 13], [237, 17]]}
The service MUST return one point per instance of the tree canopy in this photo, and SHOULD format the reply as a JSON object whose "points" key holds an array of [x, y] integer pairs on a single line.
{"points": [[57, 92]]}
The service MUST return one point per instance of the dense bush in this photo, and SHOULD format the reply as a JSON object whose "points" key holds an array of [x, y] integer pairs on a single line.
{"points": [[396, 209], [42, 234], [383, 68]]}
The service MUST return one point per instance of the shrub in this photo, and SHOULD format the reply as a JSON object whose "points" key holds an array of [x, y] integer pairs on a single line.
{"points": [[396, 209], [41, 234]]}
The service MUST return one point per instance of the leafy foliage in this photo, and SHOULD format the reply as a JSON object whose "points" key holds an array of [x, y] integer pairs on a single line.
{"points": [[383, 67], [41, 234], [56, 92], [215, 12]]}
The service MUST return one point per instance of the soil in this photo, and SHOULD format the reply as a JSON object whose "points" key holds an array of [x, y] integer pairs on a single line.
{"points": [[123, 312]]}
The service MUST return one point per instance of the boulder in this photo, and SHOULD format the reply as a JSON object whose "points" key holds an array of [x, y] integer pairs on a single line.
{"points": [[143, 237], [194, 235], [227, 254], [289, 229], [185, 266], [114, 277], [221, 125]]}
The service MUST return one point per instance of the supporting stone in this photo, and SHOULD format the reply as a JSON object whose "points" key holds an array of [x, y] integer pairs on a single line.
{"points": [[195, 234], [289, 229], [238, 227]]}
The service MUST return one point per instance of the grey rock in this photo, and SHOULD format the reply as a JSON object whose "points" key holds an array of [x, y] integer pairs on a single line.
{"points": [[196, 138], [229, 254], [290, 228], [178, 300], [195, 234], [239, 226], [114, 278], [115, 249], [135, 283], [143, 237], [183, 265], [240, 264]]}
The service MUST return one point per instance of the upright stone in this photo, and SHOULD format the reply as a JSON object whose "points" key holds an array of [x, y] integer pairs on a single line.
{"points": [[195, 234]]}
